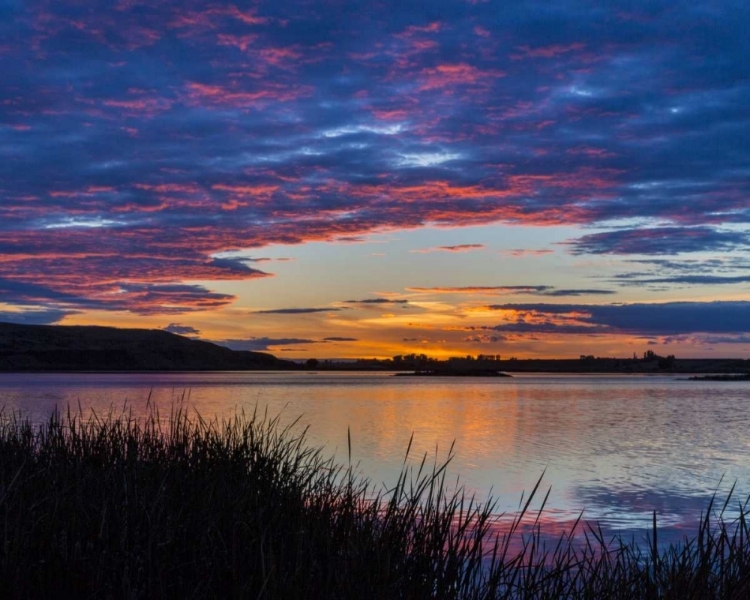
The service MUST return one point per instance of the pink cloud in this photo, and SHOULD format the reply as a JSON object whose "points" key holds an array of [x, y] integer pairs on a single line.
{"points": [[233, 95], [458, 248], [243, 42], [140, 106], [247, 190], [391, 115], [451, 75]]}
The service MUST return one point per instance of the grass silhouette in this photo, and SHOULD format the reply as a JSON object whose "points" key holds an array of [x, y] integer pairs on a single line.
{"points": [[183, 507]]}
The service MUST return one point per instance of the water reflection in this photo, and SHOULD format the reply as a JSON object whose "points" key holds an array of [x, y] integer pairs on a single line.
{"points": [[618, 447]]}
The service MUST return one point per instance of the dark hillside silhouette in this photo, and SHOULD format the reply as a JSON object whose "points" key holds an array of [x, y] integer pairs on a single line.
{"points": [[77, 348]]}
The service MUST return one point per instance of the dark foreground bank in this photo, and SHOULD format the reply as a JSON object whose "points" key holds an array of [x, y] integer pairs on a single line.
{"points": [[185, 508], [86, 348]]}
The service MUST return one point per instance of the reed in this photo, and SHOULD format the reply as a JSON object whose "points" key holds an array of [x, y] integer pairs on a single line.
{"points": [[183, 507]]}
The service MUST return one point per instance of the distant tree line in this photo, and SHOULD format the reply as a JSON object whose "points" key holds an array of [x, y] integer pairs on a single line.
{"points": [[664, 362]]}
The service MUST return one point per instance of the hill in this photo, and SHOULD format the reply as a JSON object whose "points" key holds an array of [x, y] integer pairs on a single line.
{"points": [[77, 348]]}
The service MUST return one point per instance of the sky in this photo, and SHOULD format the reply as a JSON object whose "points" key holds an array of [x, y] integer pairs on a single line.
{"points": [[363, 179]]}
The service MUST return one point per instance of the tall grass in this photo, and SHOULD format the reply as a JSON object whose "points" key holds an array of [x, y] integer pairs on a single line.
{"points": [[183, 507]]}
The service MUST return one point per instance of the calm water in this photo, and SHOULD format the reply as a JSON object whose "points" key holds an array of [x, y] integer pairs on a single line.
{"points": [[617, 446]]}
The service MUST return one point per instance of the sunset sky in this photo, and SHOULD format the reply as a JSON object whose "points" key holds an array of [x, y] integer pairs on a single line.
{"points": [[361, 178]]}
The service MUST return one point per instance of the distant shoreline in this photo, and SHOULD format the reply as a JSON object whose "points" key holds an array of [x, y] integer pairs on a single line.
{"points": [[88, 349]]}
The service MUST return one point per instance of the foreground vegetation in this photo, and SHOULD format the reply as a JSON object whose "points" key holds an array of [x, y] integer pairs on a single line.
{"points": [[186, 508]]}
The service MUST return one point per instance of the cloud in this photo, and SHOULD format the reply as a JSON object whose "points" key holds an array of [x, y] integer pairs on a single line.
{"points": [[268, 343], [34, 316], [167, 298], [726, 339], [181, 329], [482, 290], [503, 290], [485, 339], [294, 311], [259, 344], [267, 259], [665, 272], [138, 143], [573, 292], [689, 280], [641, 319], [526, 252], [378, 301], [724, 264], [458, 248], [72, 294], [659, 240]]}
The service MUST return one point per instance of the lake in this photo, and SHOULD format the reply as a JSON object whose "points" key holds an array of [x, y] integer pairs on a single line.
{"points": [[617, 447]]}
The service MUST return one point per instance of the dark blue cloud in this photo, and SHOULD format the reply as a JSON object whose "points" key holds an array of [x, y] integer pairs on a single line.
{"points": [[692, 265], [691, 280], [181, 329], [261, 343], [727, 339], [485, 339], [34, 316], [660, 240], [21, 292], [574, 292], [267, 343], [659, 273], [671, 318], [377, 301], [139, 298]]}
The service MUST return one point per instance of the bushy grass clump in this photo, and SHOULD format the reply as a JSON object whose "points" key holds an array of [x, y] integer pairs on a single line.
{"points": [[243, 508]]}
